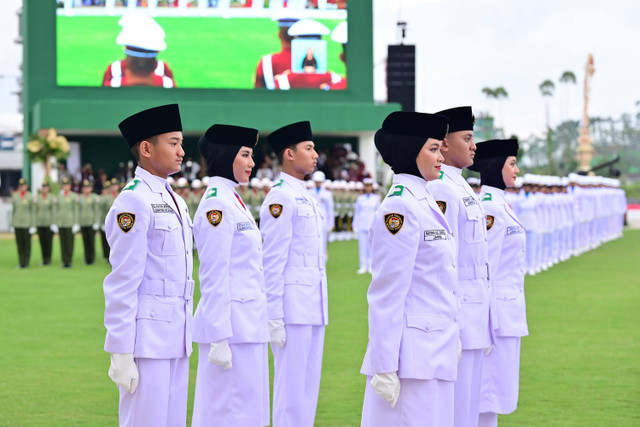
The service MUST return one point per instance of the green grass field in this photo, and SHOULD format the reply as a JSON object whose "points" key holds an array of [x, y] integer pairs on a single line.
{"points": [[202, 52], [580, 366]]}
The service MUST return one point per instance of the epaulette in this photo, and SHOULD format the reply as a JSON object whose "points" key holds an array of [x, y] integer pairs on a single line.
{"points": [[278, 184], [486, 197], [396, 191], [131, 185], [212, 192], [441, 176]]}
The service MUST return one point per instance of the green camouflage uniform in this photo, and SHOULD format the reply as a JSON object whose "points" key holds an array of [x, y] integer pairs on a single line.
{"points": [[66, 217], [88, 216]]}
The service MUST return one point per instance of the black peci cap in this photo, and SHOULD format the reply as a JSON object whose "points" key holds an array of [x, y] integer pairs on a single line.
{"points": [[290, 135], [493, 148], [415, 124], [460, 118], [151, 122]]}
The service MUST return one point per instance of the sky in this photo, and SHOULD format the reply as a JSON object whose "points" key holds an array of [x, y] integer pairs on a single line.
{"points": [[465, 45]]}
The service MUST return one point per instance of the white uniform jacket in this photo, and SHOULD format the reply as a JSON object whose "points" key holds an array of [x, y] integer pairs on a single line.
{"points": [[293, 254], [325, 200], [507, 243], [364, 211], [149, 292], [412, 301], [233, 304], [467, 220]]}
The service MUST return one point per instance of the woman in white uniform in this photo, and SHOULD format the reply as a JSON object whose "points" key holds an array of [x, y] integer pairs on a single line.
{"points": [[365, 208], [496, 162], [414, 341], [230, 323]]}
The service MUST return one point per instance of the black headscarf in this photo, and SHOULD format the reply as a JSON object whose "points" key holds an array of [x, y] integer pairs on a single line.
{"points": [[220, 146], [490, 158]]}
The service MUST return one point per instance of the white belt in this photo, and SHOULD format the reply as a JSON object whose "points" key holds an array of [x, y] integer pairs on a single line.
{"points": [[478, 271], [167, 289], [306, 260]]}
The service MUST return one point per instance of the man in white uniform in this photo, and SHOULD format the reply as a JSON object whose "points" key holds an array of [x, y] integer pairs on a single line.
{"points": [[148, 294], [325, 200], [466, 217], [364, 211], [294, 267]]}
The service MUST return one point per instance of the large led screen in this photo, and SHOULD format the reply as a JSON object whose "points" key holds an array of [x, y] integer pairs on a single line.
{"points": [[207, 44]]}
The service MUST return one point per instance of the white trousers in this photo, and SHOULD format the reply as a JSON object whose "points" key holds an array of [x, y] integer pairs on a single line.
{"points": [[364, 250], [161, 396], [238, 397], [296, 378], [425, 403], [467, 388]]}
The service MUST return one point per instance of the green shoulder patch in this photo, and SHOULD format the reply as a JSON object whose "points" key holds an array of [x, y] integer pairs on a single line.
{"points": [[486, 197], [396, 191], [278, 184], [212, 192], [131, 185], [441, 176]]}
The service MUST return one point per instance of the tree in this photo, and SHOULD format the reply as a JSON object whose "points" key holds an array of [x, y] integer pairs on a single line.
{"points": [[498, 94], [568, 77], [546, 89]]}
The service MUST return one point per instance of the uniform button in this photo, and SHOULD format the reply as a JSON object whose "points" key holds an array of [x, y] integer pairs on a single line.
{"points": [[485, 239], [455, 292], [152, 314], [465, 298], [453, 264]]}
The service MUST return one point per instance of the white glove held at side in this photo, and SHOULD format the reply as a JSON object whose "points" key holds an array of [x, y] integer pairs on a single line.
{"points": [[75, 228], [124, 371], [387, 386], [54, 228], [96, 227], [32, 230], [220, 354], [487, 351], [277, 332]]}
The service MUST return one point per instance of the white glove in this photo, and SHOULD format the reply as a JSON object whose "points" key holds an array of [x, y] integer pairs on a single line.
{"points": [[387, 386], [220, 354], [75, 228], [102, 227], [124, 371], [277, 332], [487, 351], [95, 227], [54, 228], [32, 230]]}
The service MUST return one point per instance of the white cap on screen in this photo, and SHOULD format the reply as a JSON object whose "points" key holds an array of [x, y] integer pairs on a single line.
{"points": [[339, 34], [141, 31], [308, 27]]}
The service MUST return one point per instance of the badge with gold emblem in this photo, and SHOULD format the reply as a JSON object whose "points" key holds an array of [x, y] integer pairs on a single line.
{"points": [[490, 221], [394, 222], [214, 217], [125, 221], [275, 210], [442, 205]]}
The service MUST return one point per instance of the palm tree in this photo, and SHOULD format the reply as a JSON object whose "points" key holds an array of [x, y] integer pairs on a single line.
{"points": [[546, 89], [497, 94], [566, 78]]}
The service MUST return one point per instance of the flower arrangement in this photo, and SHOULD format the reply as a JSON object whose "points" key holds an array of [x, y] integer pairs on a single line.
{"points": [[42, 148]]}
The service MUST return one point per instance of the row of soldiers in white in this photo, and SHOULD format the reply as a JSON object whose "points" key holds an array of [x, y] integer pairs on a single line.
{"points": [[446, 301]]}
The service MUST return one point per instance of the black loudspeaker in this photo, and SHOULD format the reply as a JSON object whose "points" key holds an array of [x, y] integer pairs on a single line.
{"points": [[401, 75]]}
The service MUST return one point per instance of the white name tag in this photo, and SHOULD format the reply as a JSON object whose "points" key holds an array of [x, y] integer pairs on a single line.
{"points": [[430, 235], [469, 201], [302, 201], [516, 229], [244, 226], [161, 208]]}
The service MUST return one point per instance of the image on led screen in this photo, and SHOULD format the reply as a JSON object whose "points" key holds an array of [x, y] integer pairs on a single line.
{"points": [[207, 44]]}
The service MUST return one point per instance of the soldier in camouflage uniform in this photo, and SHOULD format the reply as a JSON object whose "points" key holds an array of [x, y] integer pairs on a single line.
{"points": [[44, 206], [88, 217], [22, 220], [67, 220]]}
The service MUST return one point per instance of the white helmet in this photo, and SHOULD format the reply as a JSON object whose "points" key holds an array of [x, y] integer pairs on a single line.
{"points": [[318, 176], [196, 183]]}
